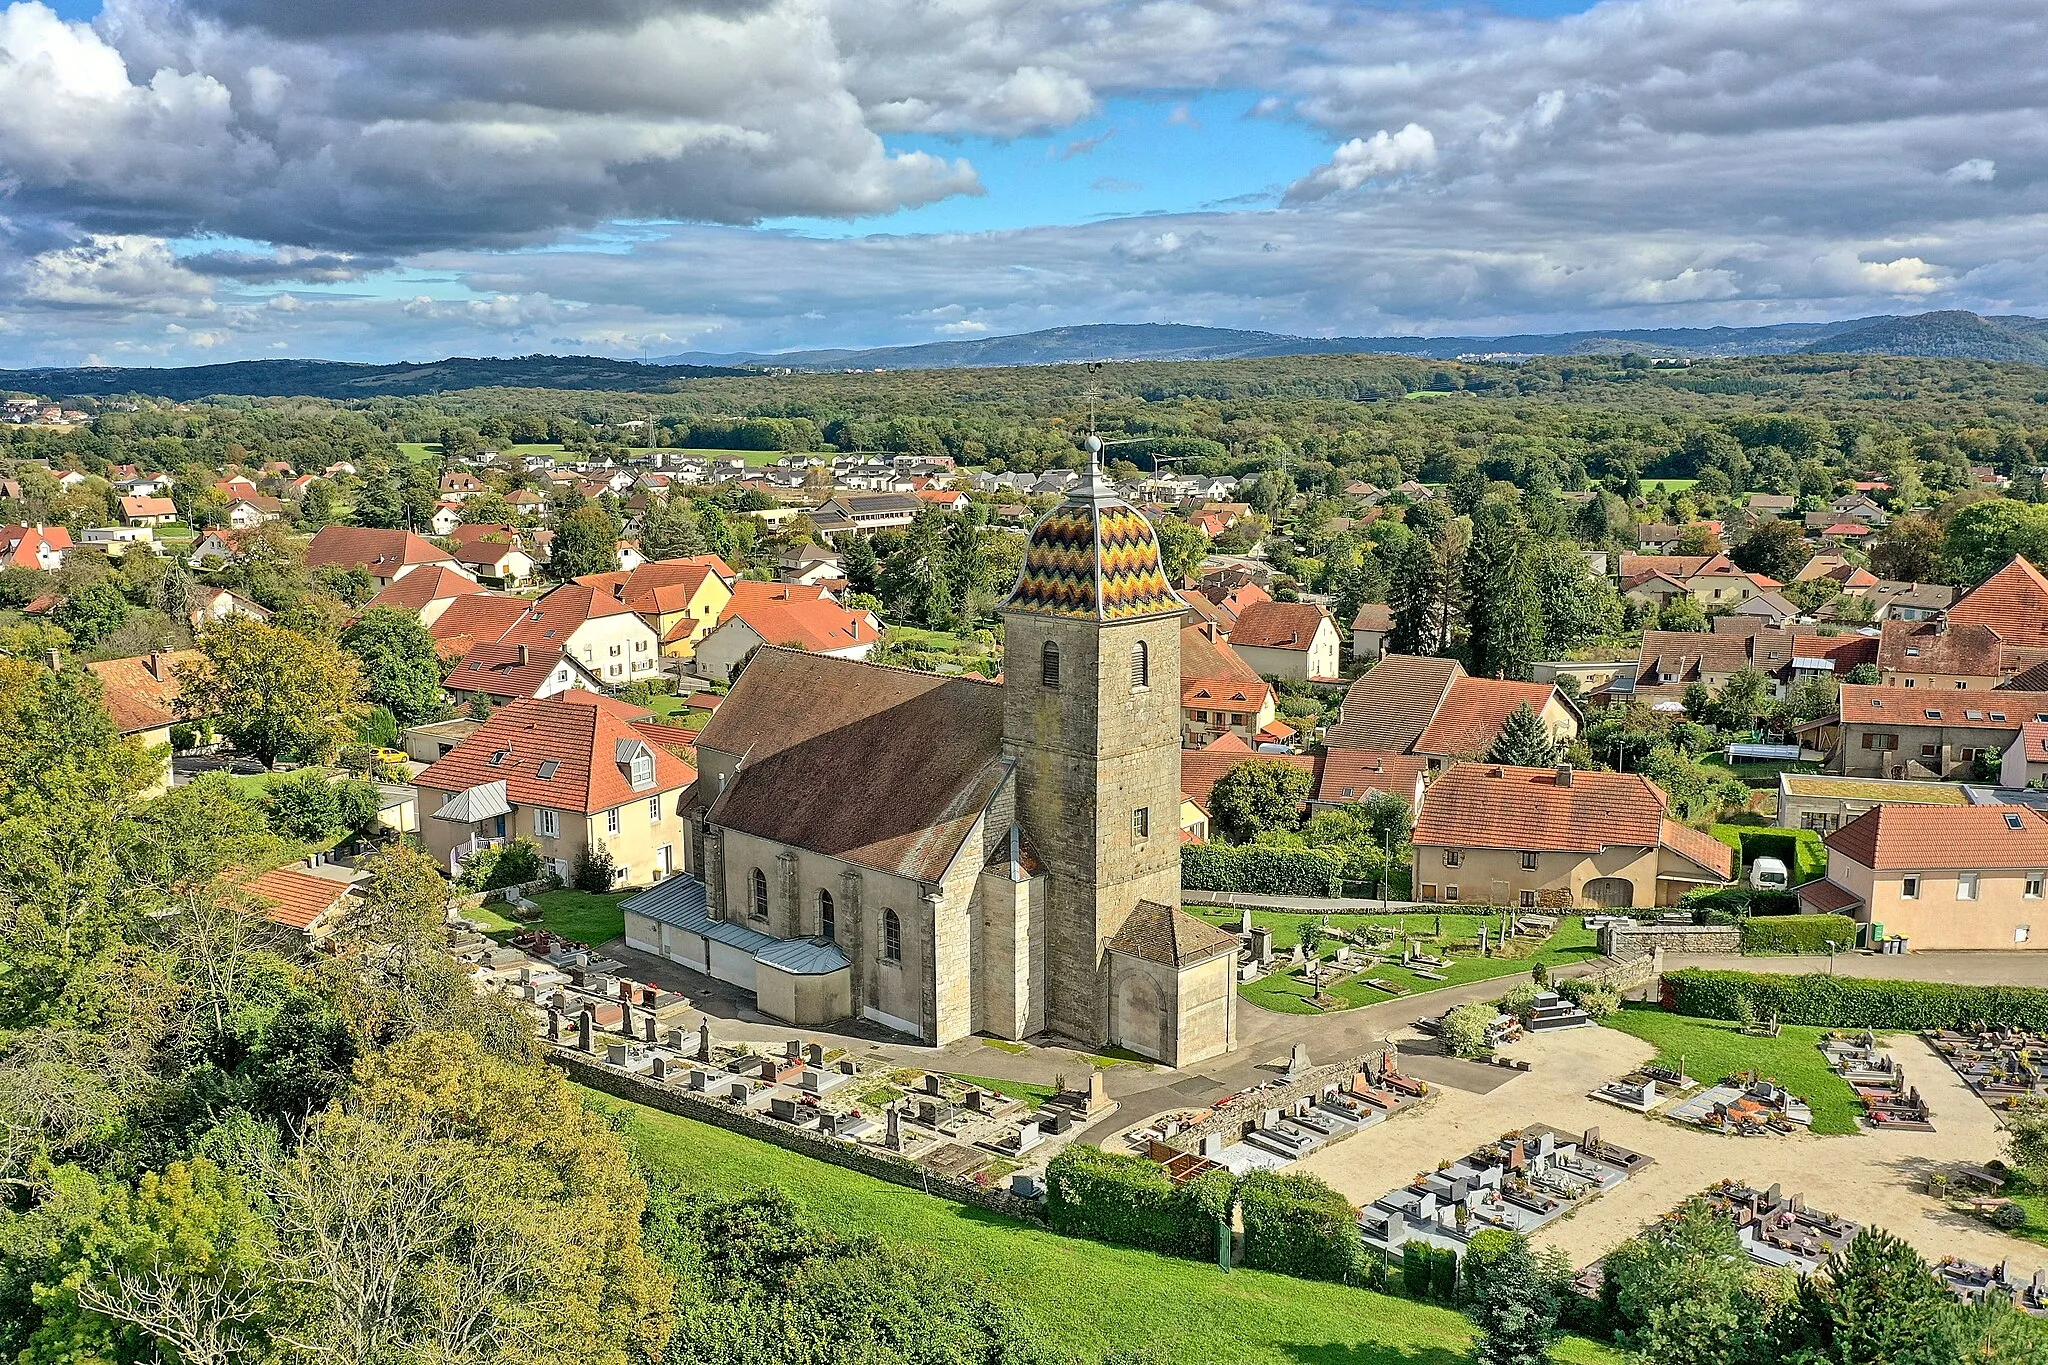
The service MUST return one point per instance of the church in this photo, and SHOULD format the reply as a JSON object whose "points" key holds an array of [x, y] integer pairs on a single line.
{"points": [[950, 856]]}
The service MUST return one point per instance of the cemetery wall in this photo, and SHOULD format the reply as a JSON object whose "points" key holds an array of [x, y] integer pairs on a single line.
{"points": [[1232, 1119], [640, 1090], [1640, 940]]}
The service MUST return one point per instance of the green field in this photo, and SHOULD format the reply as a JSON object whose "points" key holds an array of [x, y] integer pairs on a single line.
{"points": [[1708, 1049], [431, 450], [1572, 942], [584, 916], [1082, 1296]]}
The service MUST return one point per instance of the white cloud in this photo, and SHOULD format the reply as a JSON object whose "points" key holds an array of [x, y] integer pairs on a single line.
{"points": [[966, 327], [116, 271], [1906, 275], [1977, 170], [1365, 159]]}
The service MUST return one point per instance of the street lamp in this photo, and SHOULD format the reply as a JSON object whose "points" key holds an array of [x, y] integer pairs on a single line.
{"points": [[1831, 957]]}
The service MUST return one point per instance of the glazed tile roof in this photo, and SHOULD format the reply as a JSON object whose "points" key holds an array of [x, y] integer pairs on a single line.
{"points": [[1901, 838], [1093, 557]]}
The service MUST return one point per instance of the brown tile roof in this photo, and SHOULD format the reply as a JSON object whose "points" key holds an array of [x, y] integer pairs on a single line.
{"points": [[1472, 713], [1901, 838], [2013, 602], [1984, 709], [1352, 774], [381, 552], [498, 672], [1207, 658], [1373, 616], [1278, 625], [1699, 847], [882, 767], [750, 592], [1392, 704], [1681, 567], [1488, 805], [1824, 897], [578, 731], [1170, 936], [142, 692], [297, 899], [2031, 679], [421, 586], [475, 618], [1202, 769], [818, 626], [1211, 694], [1960, 649]]}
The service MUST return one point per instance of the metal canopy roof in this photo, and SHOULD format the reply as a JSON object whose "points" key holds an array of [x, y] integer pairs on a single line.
{"points": [[481, 802]]}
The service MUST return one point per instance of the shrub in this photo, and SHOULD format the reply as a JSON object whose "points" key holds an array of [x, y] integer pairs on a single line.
{"points": [[1130, 1201], [303, 806], [1520, 999], [1297, 1225], [1797, 933], [355, 804], [1261, 868], [1853, 1002], [1464, 1032], [1415, 1266], [593, 869], [183, 737], [1443, 1275], [1801, 850], [2009, 1216], [510, 864], [1596, 998]]}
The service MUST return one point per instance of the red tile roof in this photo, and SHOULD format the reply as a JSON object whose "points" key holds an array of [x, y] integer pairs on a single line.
{"points": [[421, 586], [141, 693], [1955, 648], [2013, 602], [818, 626], [474, 618], [578, 731], [1353, 774], [1202, 769], [1698, 847], [749, 592], [497, 670], [659, 586], [381, 552], [1483, 805], [135, 506], [1278, 625], [1472, 713], [296, 899], [1984, 709], [1901, 837]]}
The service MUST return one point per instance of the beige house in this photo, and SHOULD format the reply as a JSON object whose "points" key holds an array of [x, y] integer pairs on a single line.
{"points": [[1540, 838], [572, 771], [1710, 580], [1942, 877], [1894, 732], [1220, 693], [1293, 641]]}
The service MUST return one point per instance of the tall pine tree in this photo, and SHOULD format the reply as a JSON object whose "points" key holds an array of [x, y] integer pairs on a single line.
{"points": [[1503, 614], [1524, 741], [1415, 591]]}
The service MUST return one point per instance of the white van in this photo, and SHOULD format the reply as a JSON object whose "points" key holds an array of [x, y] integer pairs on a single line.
{"points": [[1768, 874]]}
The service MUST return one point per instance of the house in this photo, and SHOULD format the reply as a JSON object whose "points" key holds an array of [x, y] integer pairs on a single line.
{"points": [[570, 772], [385, 555], [1771, 504], [457, 484], [219, 604], [301, 900], [1941, 877], [1673, 660], [1220, 693], [1892, 600], [428, 591], [1851, 580], [1201, 769], [1817, 801], [115, 540], [445, 518], [499, 562], [144, 511], [2012, 602], [1710, 580], [1890, 732], [819, 626], [2025, 761], [923, 827], [1658, 538], [33, 547], [629, 555], [1370, 629], [682, 599], [1350, 775], [252, 509], [143, 695], [1948, 655], [1770, 606], [596, 629], [505, 673], [1551, 838], [811, 564], [1412, 705], [849, 513], [1293, 641]]}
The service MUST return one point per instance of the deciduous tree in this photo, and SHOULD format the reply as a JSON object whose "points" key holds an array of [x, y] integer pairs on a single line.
{"points": [[274, 692]]}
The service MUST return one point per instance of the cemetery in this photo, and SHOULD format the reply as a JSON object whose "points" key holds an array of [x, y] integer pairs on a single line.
{"points": [[1878, 1080], [1779, 1230], [1645, 1090], [1973, 1283], [1999, 1064], [1746, 1104], [1521, 1182]]}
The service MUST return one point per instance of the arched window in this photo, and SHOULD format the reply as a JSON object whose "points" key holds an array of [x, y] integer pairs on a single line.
{"points": [[892, 937], [758, 890], [1141, 667], [828, 916], [1049, 665]]}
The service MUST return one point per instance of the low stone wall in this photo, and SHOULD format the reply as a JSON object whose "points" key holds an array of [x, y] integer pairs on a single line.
{"points": [[1635, 977], [883, 1166], [1231, 1119], [1640, 940]]}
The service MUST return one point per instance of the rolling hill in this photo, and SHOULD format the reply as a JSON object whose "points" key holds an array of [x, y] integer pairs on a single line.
{"points": [[340, 379]]}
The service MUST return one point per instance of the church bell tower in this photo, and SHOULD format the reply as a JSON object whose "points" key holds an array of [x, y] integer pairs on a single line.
{"points": [[1091, 673]]}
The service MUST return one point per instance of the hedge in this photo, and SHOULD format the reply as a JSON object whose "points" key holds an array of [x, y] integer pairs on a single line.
{"points": [[1297, 1225], [1853, 1002], [1261, 868], [1797, 933], [1130, 1201], [1801, 850], [1738, 901]]}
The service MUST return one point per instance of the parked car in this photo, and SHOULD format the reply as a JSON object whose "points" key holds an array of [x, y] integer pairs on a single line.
{"points": [[1769, 874]]}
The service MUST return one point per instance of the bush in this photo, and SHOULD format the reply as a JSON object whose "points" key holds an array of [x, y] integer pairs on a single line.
{"points": [[1520, 999], [1297, 1225], [1852, 1002], [1415, 1267], [1130, 1201], [510, 864], [2011, 1217], [377, 728], [1464, 1031], [1261, 868], [594, 869], [303, 806], [1443, 1275], [183, 737], [1596, 998], [1801, 850], [1731, 904], [355, 805], [1797, 933]]}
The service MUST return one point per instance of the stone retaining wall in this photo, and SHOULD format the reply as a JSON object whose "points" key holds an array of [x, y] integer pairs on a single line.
{"points": [[1231, 1119], [1640, 940], [882, 1165]]}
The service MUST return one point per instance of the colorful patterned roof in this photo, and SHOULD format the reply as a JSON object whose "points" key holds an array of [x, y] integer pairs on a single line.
{"points": [[1094, 557]]}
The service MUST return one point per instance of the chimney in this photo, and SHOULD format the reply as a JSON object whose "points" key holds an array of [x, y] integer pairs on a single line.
{"points": [[1209, 629], [1564, 774], [155, 665], [522, 656], [619, 592]]}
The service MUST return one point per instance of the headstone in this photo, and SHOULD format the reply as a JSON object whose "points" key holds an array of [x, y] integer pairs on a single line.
{"points": [[740, 1091], [814, 1054], [700, 1081], [848, 1067], [811, 1080], [1027, 1136], [933, 1084], [1027, 1185], [554, 1024], [704, 1041], [784, 1109], [1269, 1118], [1098, 1095], [769, 1067], [1591, 1141], [1545, 1143], [615, 1054], [674, 1039], [647, 1027], [625, 990], [793, 1049], [1773, 1196], [1062, 1120], [1244, 921], [1212, 1145], [659, 1070], [1297, 1060], [649, 994], [976, 1100], [893, 1138], [586, 1032], [1262, 945]]}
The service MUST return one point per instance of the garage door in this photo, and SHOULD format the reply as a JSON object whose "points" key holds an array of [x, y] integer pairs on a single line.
{"points": [[1611, 893]]}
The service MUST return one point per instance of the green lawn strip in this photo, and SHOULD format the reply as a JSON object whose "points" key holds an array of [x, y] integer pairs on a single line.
{"points": [[2036, 1229], [1713, 1048], [1031, 1092], [1148, 1305], [1003, 1045], [494, 920], [585, 916]]}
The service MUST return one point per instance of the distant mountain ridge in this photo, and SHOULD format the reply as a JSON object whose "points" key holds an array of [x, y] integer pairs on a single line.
{"points": [[1951, 334]]}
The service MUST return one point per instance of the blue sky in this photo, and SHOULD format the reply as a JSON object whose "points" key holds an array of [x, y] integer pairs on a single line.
{"points": [[197, 180]]}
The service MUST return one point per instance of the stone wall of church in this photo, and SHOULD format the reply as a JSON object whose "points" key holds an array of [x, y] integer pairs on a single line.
{"points": [[1012, 960]]}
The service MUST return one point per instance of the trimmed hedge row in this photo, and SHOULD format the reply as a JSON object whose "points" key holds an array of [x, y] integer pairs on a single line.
{"points": [[1801, 850], [1852, 1002], [1130, 1201], [1262, 869], [1297, 1225], [1797, 933]]}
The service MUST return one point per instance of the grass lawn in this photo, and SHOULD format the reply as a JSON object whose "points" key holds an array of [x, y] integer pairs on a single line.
{"points": [[1083, 1296], [1572, 942], [1032, 1093], [1712, 1048], [580, 915], [431, 450], [672, 710]]}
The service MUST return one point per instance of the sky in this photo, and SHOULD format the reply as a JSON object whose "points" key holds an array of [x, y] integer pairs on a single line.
{"points": [[195, 181]]}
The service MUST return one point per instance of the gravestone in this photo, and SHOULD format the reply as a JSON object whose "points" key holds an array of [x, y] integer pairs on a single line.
{"points": [[1027, 1137], [814, 1054], [1244, 921], [811, 1080], [625, 990], [704, 1041], [793, 1049], [933, 1085], [647, 1027], [649, 994], [893, 1136], [740, 1091], [1297, 1061], [976, 1100], [1212, 1145], [554, 1024], [700, 1081], [1262, 945], [586, 1032], [784, 1109], [1098, 1094], [615, 1054], [1545, 1143], [847, 1067], [675, 1039], [659, 1069]]}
